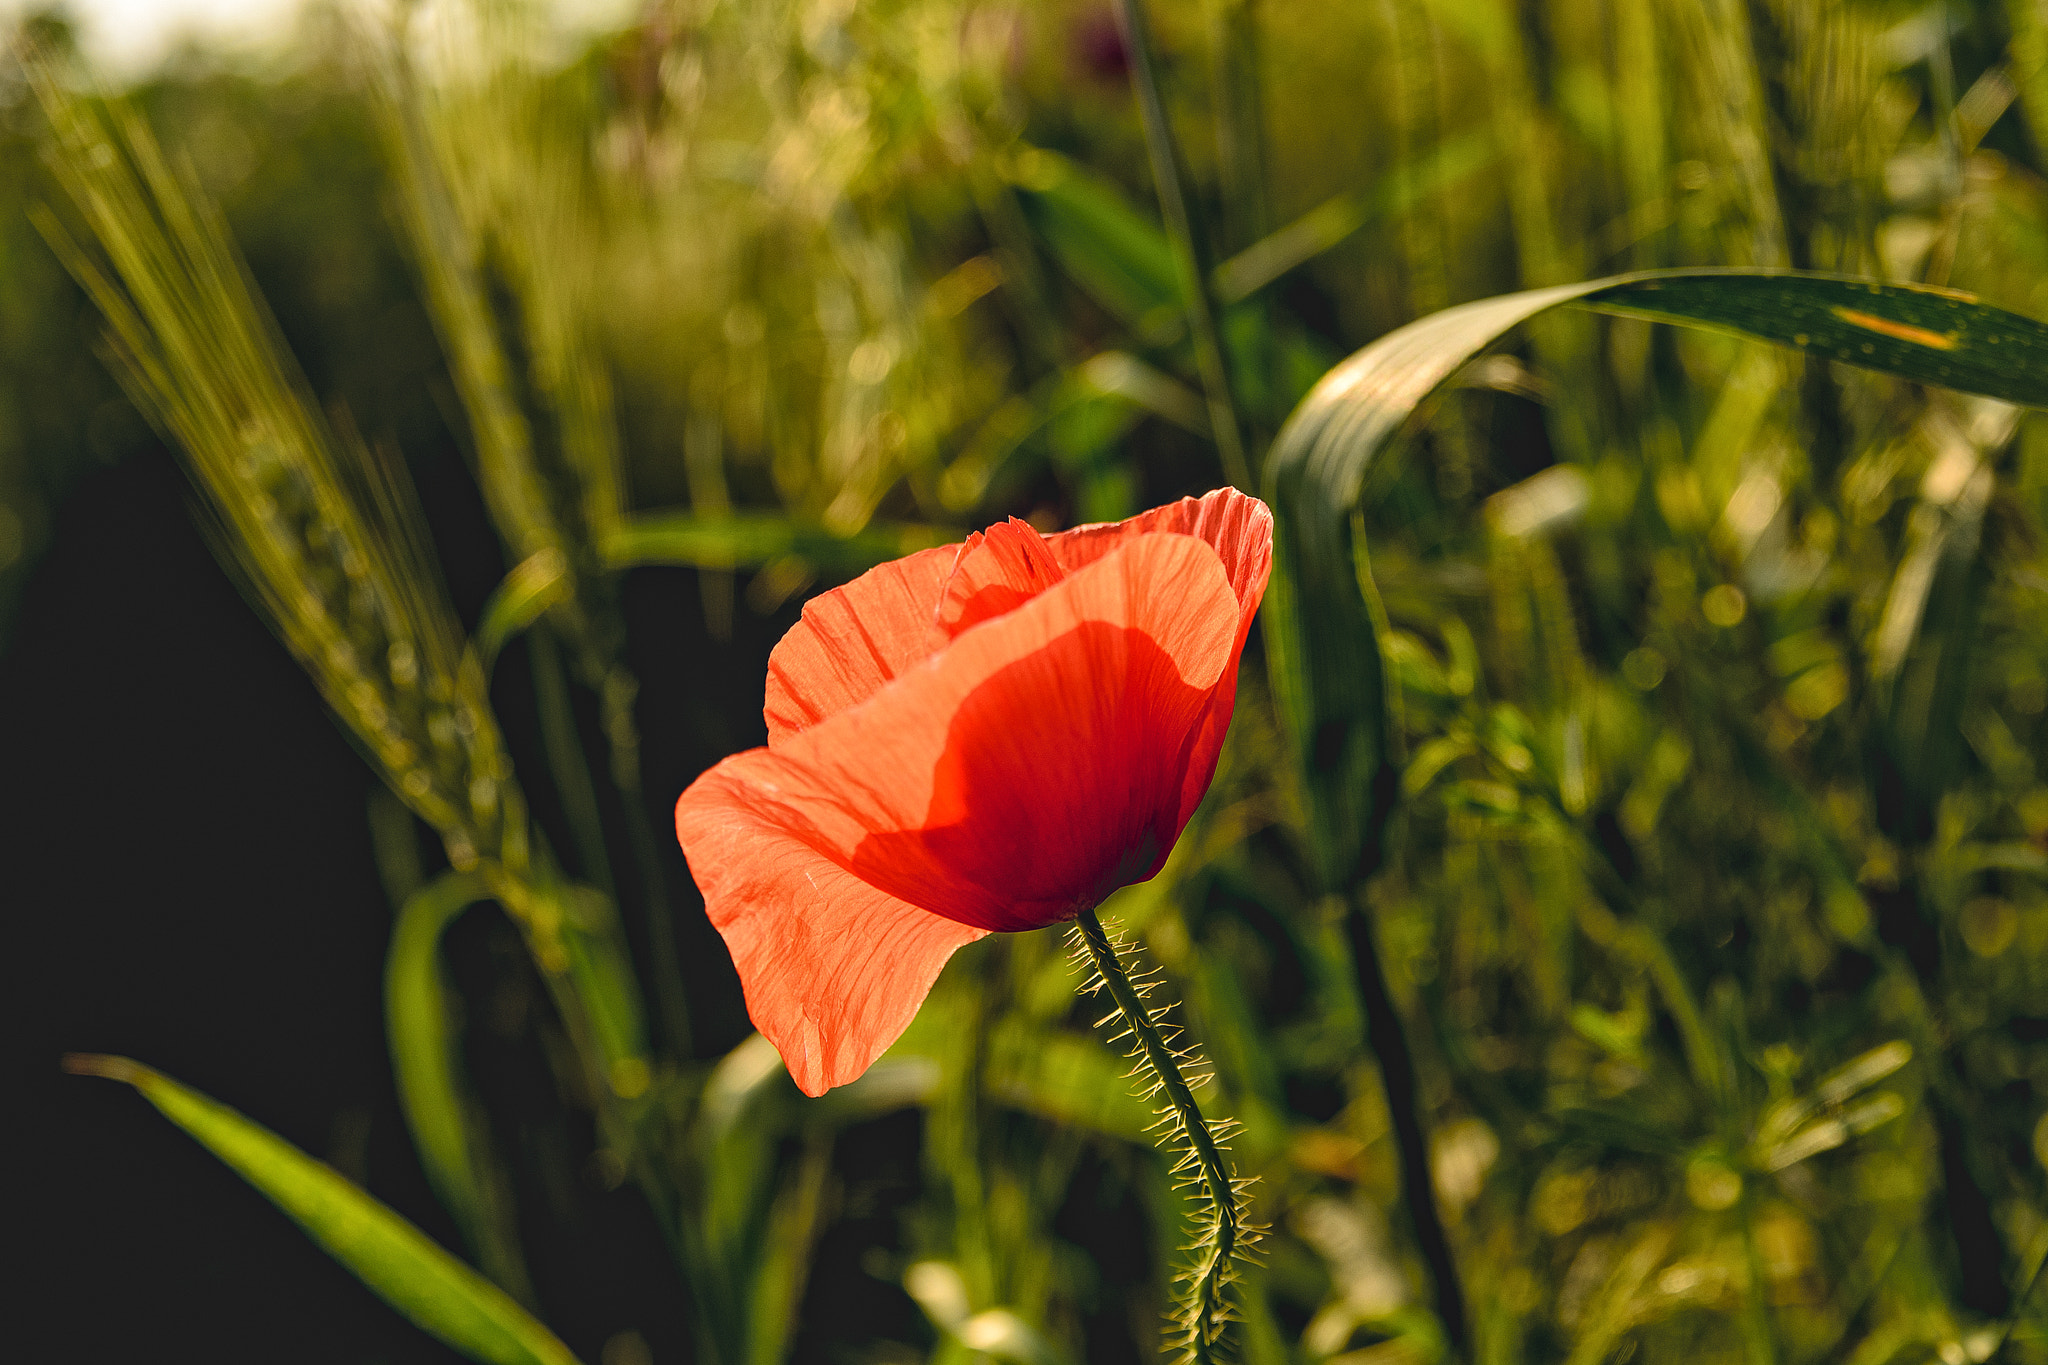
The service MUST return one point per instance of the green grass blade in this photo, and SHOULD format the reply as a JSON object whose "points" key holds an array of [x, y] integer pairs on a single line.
{"points": [[1930, 336], [448, 255], [1335, 220], [521, 598], [425, 1054], [396, 1260], [784, 1257], [751, 540], [1107, 245], [1180, 235], [605, 986]]}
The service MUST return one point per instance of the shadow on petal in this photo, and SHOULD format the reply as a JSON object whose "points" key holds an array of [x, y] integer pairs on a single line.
{"points": [[1061, 780]]}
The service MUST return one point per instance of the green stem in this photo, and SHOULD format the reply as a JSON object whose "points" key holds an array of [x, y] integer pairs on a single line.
{"points": [[1240, 150], [1389, 1042], [1759, 1341], [1180, 231], [622, 735], [566, 760], [2019, 1304], [1217, 1249]]}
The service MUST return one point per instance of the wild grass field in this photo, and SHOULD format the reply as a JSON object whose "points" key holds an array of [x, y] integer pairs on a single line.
{"points": [[1618, 925]]}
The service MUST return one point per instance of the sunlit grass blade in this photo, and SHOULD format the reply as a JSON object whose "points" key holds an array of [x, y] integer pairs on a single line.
{"points": [[753, 539], [395, 1259], [326, 535], [521, 598], [448, 255], [1102, 240], [1196, 304], [1337, 219]]}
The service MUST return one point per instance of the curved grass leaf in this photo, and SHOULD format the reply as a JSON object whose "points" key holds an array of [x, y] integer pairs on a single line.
{"points": [[1321, 647], [424, 1060], [396, 1260], [750, 540], [534, 584]]}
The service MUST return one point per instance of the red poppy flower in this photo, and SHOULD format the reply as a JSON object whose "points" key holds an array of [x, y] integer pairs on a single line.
{"points": [[986, 736]]}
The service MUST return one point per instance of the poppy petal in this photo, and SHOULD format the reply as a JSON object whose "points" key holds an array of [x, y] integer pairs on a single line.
{"points": [[833, 968], [855, 638], [1010, 565], [1238, 528], [1027, 770]]}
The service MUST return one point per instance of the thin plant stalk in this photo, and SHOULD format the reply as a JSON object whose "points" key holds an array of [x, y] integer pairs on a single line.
{"points": [[1180, 231], [1222, 1241], [1397, 1075], [1240, 150], [566, 759], [2019, 1304], [622, 736], [516, 495]]}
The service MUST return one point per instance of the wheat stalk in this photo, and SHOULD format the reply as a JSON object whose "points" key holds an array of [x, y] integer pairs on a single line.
{"points": [[493, 205], [325, 535]]}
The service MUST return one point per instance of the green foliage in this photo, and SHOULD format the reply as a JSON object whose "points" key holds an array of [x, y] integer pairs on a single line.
{"points": [[1624, 888], [391, 1256], [425, 1060]]}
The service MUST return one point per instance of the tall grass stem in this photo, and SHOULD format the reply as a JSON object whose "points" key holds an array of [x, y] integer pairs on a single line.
{"points": [[1180, 231], [1389, 1042]]}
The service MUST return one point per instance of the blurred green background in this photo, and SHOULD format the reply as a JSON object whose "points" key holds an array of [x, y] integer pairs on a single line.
{"points": [[1713, 904]]}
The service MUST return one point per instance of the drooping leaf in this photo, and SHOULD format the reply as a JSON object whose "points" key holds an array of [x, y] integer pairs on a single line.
{"points": [[1322, 653], [400, 1264], [1930, 336]]}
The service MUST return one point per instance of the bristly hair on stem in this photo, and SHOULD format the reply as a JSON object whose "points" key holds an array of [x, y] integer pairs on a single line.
{"points": [[1223, 1237]]}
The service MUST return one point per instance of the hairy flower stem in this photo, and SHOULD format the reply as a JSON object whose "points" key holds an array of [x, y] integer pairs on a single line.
{"points": [[1217, 1245]]}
